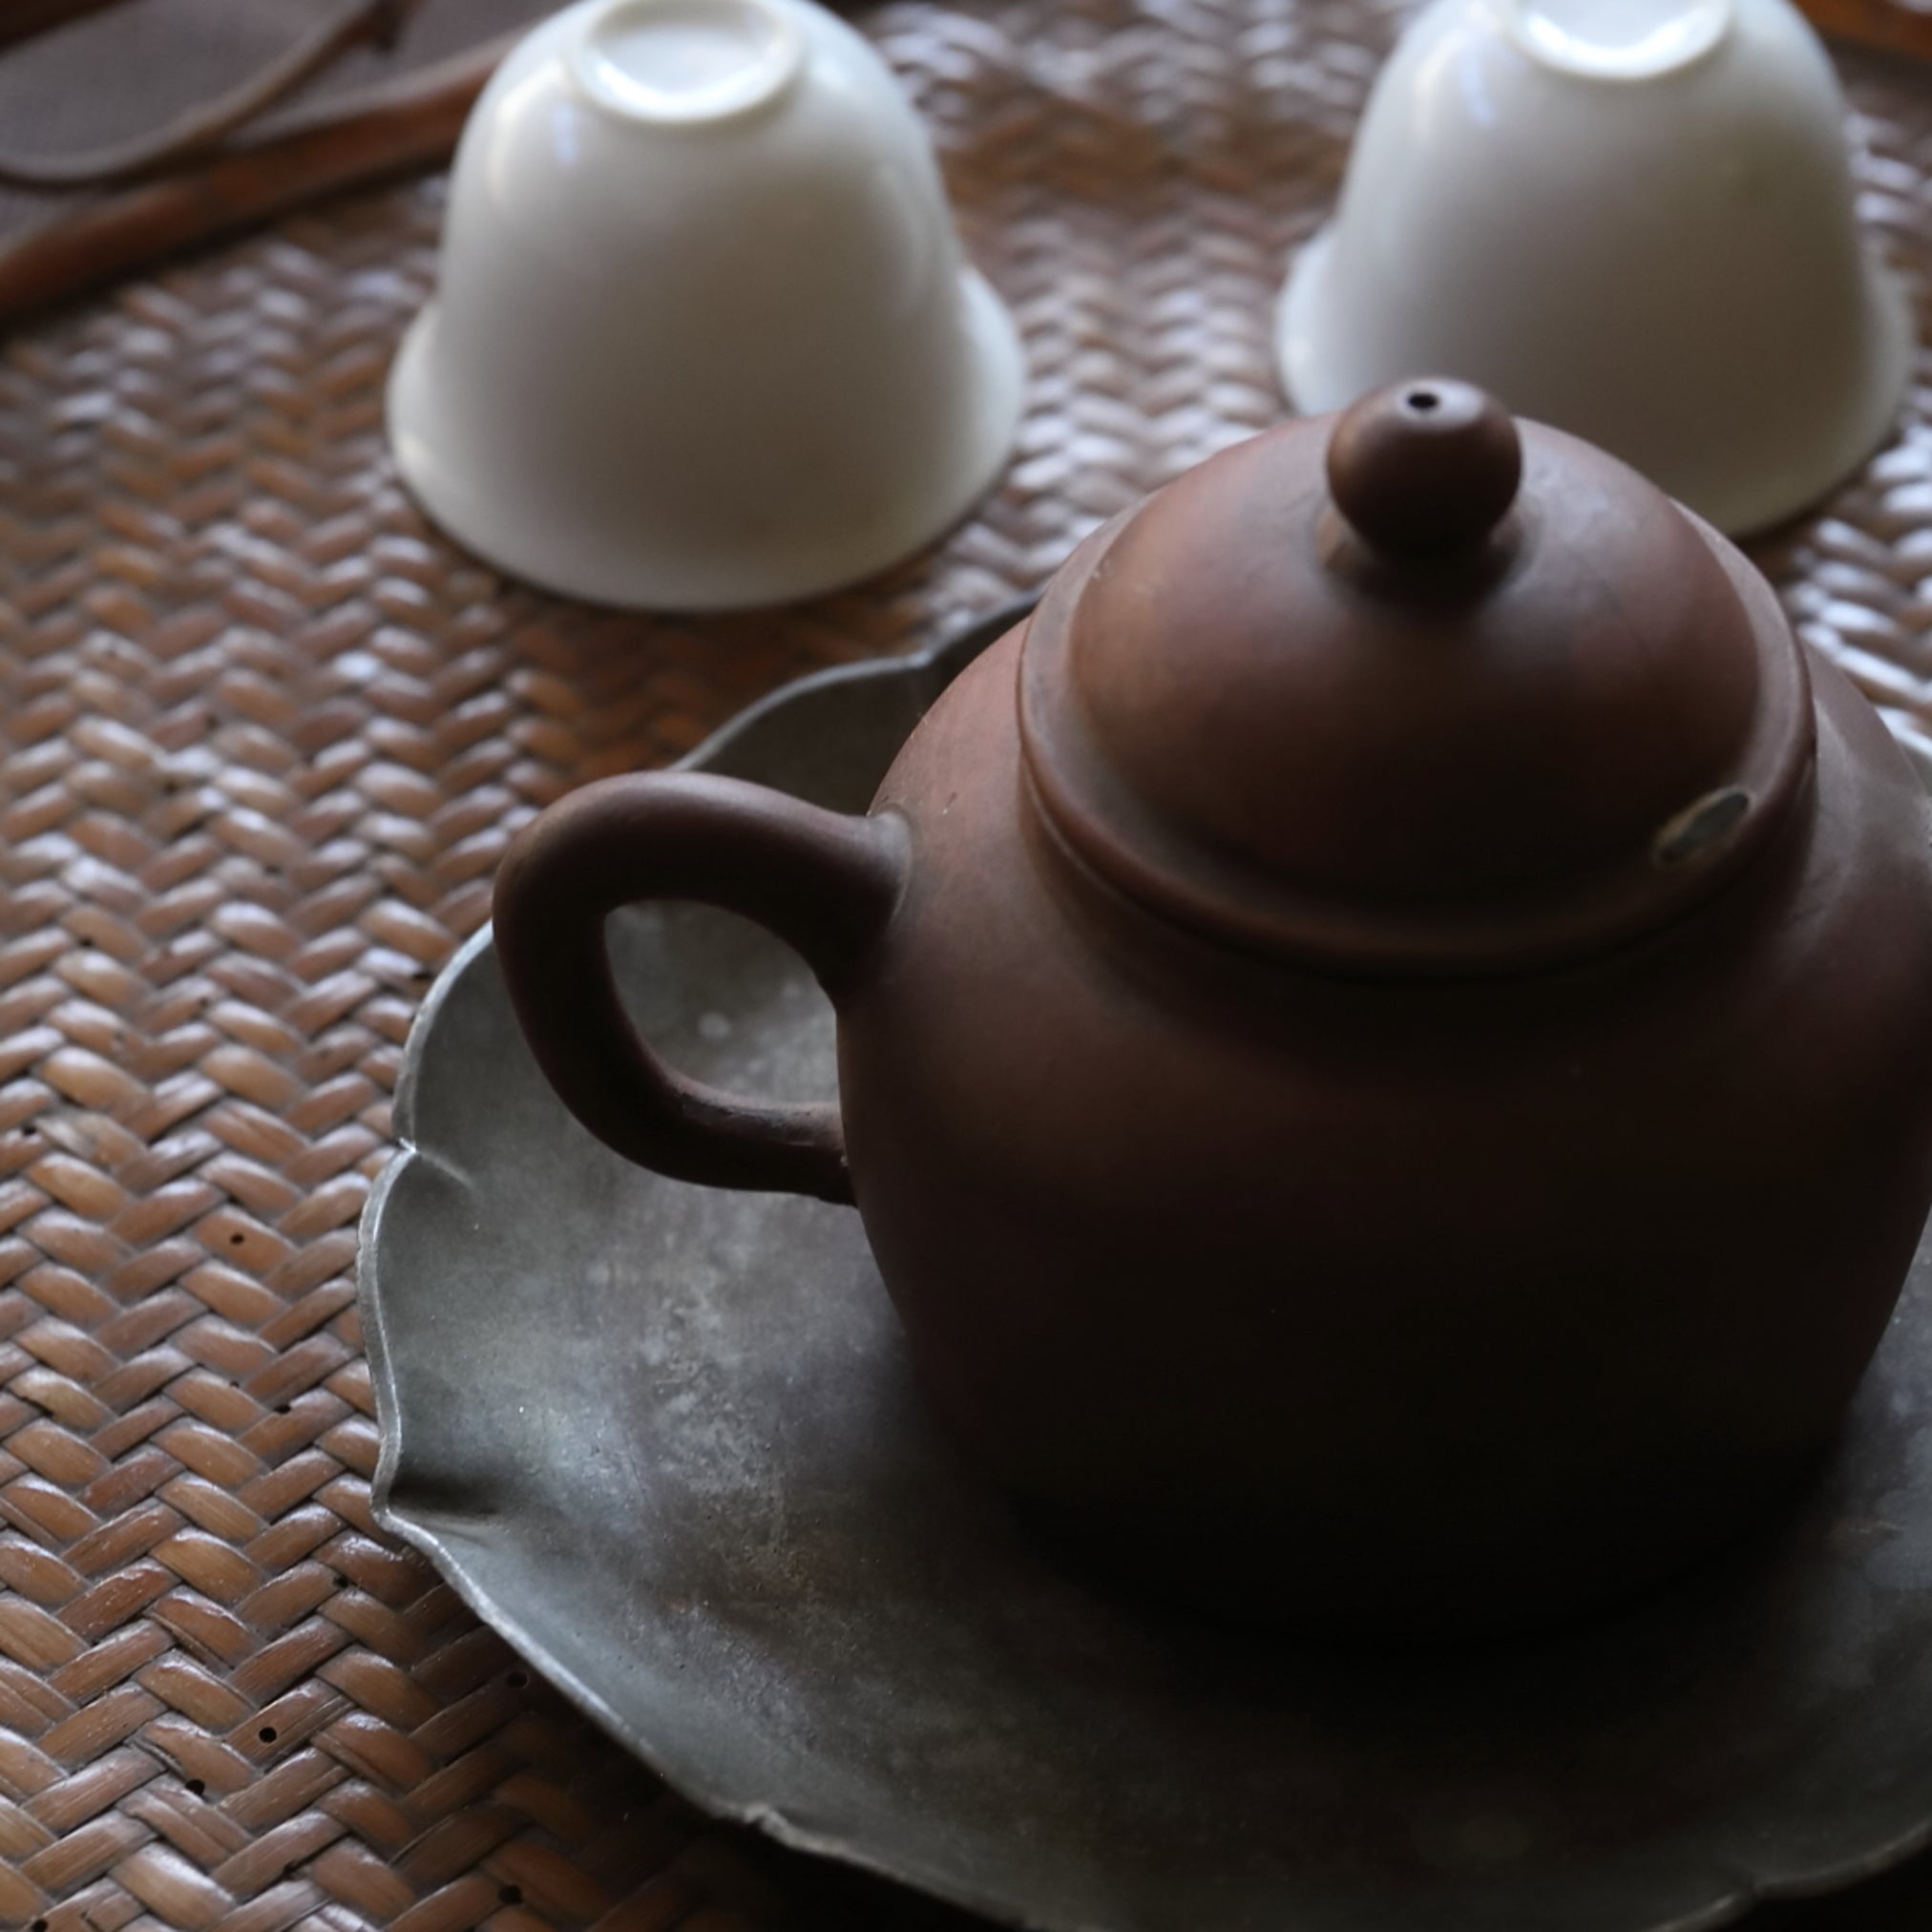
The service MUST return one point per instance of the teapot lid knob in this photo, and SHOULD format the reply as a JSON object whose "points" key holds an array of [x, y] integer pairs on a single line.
{"points": [[1424, 466]]}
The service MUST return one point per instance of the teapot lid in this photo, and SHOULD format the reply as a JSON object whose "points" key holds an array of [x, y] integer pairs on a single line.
{"points": [[1414, 689]]}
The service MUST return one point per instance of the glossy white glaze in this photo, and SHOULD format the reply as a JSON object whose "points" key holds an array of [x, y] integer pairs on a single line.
{"points": [[705, 335], [1617, 40], [1631, 219]]}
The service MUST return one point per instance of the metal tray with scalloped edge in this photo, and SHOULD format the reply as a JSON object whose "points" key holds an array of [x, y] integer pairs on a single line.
{"points": [[664, 1440]]}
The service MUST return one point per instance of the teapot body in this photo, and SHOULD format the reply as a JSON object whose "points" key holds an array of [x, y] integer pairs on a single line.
{"points": [[1384, 1042], [1357, 1303]]}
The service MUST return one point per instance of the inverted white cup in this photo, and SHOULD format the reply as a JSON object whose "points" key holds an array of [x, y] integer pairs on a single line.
{"points": [[704, 336], [1631, 219]]}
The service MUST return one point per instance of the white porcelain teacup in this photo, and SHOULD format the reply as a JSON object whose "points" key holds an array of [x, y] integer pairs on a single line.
{"points": [[1631, 219], [704, 336]]}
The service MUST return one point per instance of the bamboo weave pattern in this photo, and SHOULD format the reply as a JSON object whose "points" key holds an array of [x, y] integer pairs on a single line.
{"points": [[262, 736]]}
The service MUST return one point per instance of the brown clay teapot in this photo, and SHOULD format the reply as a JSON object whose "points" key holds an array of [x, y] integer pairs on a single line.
{"points": [[1385, 1034]]}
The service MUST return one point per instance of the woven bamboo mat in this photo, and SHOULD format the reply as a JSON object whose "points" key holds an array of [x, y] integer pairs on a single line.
{"points": [[262, 736]]}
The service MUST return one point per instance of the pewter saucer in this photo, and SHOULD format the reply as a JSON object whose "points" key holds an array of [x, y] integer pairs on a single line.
{"points": [[665, 1440]]}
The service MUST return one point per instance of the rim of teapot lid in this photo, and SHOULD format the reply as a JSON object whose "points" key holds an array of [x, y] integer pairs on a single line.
{"points": [[1416, 689]]}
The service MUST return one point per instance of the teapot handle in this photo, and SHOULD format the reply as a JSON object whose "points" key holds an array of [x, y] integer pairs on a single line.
{"points": [[824, 883]]}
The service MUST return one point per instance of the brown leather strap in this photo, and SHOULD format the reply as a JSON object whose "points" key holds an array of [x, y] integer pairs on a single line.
{"points": [[25, 19], [1887, 24], [192, 134], [407, 125]]}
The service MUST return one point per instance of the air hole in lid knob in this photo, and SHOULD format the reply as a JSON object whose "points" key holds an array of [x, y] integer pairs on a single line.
{"points": [[1424, 466]]}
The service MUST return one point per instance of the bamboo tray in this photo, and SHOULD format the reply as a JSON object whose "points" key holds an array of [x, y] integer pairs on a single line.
{"points": [[262, 736]]}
